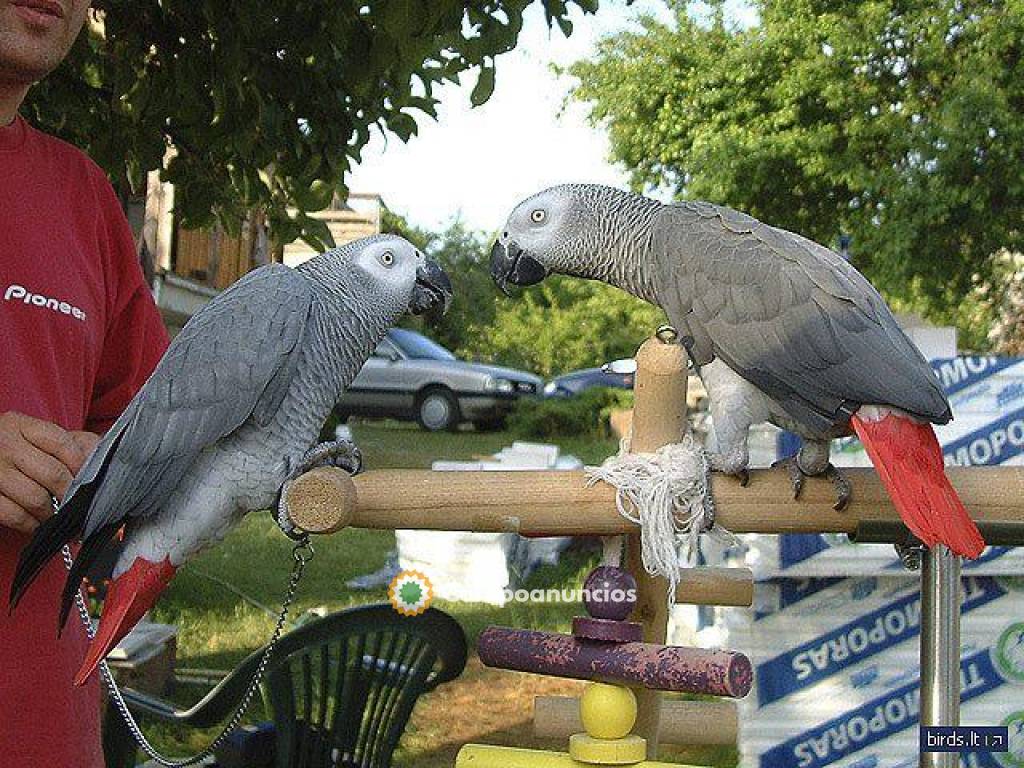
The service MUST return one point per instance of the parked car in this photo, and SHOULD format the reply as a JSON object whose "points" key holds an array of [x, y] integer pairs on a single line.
{"points": [[412, 377], [570, 384]]}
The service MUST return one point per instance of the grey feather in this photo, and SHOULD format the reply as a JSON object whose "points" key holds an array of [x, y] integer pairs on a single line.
{"points": [[183, 409], [815, 335]]}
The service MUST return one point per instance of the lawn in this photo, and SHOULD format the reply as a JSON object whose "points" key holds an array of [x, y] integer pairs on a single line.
{"points": [[223, 602]]}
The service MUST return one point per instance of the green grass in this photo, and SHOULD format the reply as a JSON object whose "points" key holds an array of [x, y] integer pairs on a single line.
{"points": [[393, 444]]}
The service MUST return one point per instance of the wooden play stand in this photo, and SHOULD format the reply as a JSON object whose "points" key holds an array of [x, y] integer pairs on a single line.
{"points": [[559, 503]]}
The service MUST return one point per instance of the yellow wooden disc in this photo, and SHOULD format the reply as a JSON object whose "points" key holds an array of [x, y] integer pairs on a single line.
{"points": [[586, 749], [607, 711]]}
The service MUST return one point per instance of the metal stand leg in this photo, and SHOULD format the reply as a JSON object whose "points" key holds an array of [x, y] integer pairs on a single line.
{"points": [[940, 647]]}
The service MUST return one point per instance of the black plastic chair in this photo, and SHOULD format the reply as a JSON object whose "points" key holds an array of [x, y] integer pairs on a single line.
{"points": [[340, 689]]}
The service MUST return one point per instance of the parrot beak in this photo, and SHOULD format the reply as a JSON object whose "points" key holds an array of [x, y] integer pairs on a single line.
{"points": [[129, 596], [511, 264], [432, 293]]}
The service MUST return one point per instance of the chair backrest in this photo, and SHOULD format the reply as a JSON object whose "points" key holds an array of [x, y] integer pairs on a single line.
{"points": [[342, 688]]}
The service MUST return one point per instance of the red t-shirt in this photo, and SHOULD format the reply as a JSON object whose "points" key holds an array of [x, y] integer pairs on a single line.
{"points": [[79, 334]]}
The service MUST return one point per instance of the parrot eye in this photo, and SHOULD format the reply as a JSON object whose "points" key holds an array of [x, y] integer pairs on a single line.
{"points": [[387, 258], [538, 216]]}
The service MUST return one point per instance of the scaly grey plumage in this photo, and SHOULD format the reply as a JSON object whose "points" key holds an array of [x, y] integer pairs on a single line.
{"points": [[234, 405], [781, 328]]}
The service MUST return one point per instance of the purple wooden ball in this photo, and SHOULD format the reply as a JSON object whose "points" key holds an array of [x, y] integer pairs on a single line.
{"points": [[611, 593]]}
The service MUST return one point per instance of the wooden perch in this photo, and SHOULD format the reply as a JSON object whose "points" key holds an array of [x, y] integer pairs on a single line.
{"points": [[558, 503], [707, 585], [711, 672]]}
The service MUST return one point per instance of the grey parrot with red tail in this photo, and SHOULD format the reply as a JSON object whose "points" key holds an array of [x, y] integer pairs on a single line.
{"points": [[780, 329], [229, 416]]}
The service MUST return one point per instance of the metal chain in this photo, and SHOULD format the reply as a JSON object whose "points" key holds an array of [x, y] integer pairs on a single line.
{"points": [[302, 553]]}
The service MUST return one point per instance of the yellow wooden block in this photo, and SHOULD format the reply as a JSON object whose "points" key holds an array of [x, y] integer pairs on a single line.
{"points": [[626, 751], [486, 756], [607, 711]]}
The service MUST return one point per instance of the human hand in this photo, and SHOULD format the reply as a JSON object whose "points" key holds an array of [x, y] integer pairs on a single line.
{"points": [[37, 460]]}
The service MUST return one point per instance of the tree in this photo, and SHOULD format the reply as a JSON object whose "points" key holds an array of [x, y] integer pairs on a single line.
{"points": [[266, 102], [562, 324], [1003, 300], [897, 122]]}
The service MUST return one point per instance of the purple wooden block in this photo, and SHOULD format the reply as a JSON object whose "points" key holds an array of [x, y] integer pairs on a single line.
{"points": [[658, 667], [610, 593], [605, 630]]}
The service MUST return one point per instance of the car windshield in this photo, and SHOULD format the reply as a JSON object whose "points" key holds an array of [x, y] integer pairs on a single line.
{"points": [[419, 347]]}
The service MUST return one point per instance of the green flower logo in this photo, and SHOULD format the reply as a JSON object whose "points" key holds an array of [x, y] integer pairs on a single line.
{"points": [[410, 593]]}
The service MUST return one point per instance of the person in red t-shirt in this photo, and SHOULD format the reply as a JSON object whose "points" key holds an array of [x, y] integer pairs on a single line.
{"points": [[79, 334]]}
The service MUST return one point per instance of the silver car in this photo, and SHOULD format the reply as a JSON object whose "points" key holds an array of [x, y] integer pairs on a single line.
{"points": [[411, 377]]}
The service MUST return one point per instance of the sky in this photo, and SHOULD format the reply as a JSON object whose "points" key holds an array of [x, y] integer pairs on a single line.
{"points": [[477, 163]]}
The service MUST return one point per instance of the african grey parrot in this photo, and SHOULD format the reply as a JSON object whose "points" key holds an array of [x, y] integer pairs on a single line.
{"points": [[228, 417], [779, 328]]}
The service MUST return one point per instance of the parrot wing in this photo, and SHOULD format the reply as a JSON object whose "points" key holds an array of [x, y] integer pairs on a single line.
{"points": [[790, 316], [233, 361]]}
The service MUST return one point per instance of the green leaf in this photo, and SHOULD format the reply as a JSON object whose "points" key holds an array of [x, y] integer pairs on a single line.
{"points": [[316, 233], [484, 86], [266, 102]]}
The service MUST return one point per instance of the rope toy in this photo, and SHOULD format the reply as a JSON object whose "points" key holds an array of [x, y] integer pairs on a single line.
{"points": [[668, 494]]}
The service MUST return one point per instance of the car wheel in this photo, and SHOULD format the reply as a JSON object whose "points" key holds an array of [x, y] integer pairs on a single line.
{"points": [[489, 425], [437, 410]]}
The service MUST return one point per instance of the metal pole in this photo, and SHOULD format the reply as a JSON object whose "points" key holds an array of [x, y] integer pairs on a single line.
{"points": [[940, 647]]}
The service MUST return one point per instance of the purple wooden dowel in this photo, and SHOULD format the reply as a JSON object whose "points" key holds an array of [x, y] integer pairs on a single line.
{"points": [[606, 630], [658, 667]]}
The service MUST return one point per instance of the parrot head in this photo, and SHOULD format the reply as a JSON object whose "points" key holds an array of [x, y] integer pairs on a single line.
{"points": [[396, 268], [533, 238], [558, 231]]}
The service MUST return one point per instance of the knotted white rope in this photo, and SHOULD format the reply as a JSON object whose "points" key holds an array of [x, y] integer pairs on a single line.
{"points": [[668, 494]]}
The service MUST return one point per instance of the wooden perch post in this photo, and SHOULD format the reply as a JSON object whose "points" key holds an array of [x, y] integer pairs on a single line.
{"points": [[685, 723], [659, 419]]}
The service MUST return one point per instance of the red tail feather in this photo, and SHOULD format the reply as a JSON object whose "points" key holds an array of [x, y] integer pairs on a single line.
{"points": [[909, 461], [129, 596]]}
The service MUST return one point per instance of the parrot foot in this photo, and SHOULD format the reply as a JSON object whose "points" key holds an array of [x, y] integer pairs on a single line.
{"points": [[797, 475], [910, 552], [343, 454], [733, 464]]}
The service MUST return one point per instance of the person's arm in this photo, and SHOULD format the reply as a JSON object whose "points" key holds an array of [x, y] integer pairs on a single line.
{"points": [[37, 460]]}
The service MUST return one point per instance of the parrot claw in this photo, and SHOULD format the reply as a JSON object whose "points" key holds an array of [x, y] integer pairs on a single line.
{"points": [[843, 488], [796, 476], [910, 552], [343, 454]]}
